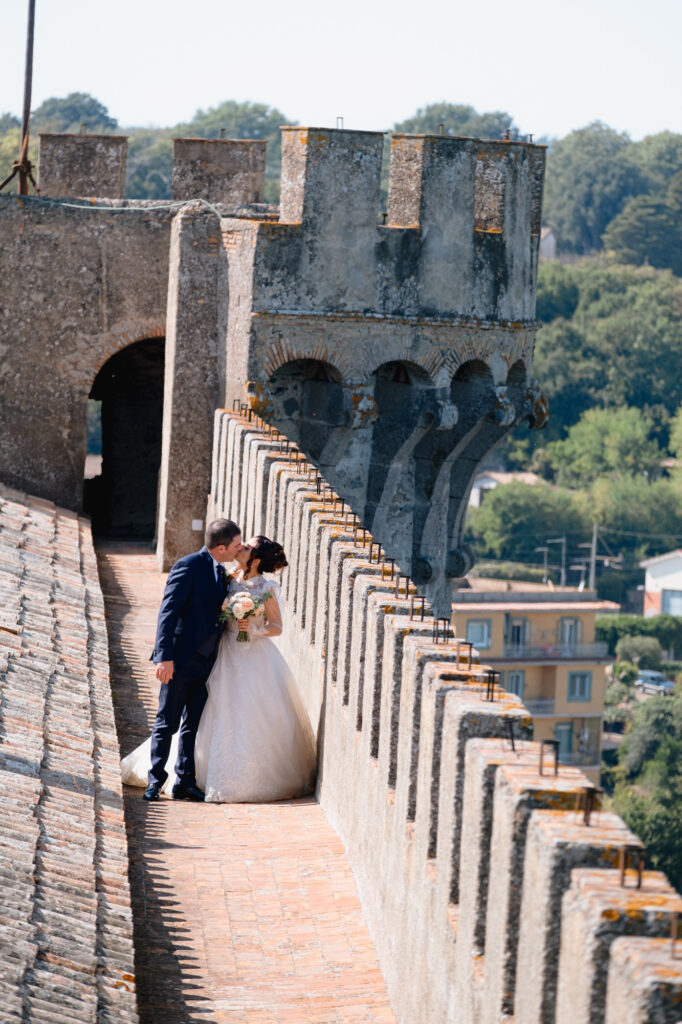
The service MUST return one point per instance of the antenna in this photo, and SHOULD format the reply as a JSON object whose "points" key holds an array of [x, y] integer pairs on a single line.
{"points": [[23, 166]]}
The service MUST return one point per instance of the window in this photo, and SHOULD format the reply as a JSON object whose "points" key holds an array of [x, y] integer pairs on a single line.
{"points": [[516, 680], [569, 632], [478, 632], [517, 631], [580, 686], [672, 602]]}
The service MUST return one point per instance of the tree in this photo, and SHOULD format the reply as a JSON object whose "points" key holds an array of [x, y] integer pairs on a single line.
{"points": [[605, 442], [622, 345], [8, 121], [643, 651], [150, 164], [590, 176], [68, 113], [558, 293], [458, 119], [513, 520], [638, 518], [659, 157], [647, 230]]}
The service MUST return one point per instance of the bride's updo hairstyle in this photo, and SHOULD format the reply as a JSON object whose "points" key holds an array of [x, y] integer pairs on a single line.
{"points": [[271, 555]]}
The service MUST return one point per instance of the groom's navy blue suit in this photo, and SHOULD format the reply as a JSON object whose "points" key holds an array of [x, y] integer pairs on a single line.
{"points": [[187, 634]]}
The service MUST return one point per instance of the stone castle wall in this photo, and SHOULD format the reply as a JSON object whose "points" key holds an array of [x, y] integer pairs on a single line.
{"points": [[487, 892]]}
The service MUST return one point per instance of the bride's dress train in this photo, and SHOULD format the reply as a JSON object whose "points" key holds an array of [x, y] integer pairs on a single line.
{"points": [[254, 742]]}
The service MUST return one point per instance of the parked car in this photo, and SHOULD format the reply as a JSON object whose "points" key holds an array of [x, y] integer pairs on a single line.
{"points": [[649, 681]]}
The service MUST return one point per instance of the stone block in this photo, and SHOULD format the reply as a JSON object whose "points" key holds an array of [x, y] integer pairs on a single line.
{"points": [[644, 983], [82, 165], [556, 843], [229, 171], [595, 911], [519, 790]]}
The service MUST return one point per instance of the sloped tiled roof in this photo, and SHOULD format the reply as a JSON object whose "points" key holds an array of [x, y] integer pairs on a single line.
{"points": [[65, 917]]}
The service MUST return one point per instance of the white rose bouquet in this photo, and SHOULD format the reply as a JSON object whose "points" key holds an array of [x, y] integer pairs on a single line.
{"points": [[241, 606]]}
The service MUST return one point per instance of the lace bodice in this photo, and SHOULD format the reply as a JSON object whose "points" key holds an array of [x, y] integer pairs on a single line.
{"points": [[257, 586]]}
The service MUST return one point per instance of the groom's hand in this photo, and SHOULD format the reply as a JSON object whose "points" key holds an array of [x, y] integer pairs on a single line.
{"points": [[164, 671]]}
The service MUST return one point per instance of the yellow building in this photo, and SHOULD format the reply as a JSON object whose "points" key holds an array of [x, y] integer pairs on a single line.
{"points": [[541, 640]]}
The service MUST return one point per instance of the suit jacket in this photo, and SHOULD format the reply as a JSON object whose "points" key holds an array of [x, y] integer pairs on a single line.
{"points": [[188, 618]]}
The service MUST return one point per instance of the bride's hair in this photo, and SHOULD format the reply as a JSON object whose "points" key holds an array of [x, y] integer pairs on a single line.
{"points": [[271, 555]]}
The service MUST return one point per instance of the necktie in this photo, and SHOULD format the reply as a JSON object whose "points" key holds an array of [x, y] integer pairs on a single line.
{"points": [[222, 576]]}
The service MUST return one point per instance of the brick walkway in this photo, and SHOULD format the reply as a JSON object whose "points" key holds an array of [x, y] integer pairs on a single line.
{"points": [[243, 913]]}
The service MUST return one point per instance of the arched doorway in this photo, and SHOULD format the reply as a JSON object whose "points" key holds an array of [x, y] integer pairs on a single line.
{"points": [[122, 500]]}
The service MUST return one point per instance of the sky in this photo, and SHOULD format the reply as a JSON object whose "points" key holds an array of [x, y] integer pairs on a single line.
{"points": [[554, 66]]}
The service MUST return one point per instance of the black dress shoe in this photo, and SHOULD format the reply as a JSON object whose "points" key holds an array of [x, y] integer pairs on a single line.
{"points": [[152, 792], [180, 792]]}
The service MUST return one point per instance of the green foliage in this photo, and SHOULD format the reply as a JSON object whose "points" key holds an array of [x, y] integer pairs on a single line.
{"points": [[150, 163], [511, 571], [624, 672], [659, 157], [647, 230], [558, 292], [641, 518], [514, 519], [68, 113], [458, 119], [590, 176], [666, 628], [605, 442], [643, 651], [622, 346], [8, 121]]}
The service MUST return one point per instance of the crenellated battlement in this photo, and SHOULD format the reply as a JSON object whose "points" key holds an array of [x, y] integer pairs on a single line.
{"points": [[396, 354], [461, 233]]}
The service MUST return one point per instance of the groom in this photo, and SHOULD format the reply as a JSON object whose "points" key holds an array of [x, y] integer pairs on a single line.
{"points": [[187, 639]]}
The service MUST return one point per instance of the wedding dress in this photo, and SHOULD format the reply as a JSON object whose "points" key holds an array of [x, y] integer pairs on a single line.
{"points": [[254, 743]]}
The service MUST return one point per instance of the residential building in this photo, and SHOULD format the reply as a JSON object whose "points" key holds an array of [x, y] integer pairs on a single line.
{"points": [[541, 639], [490, 479], [663, 584]]}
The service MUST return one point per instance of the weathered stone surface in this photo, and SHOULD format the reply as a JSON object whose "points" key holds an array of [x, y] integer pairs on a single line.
{"points": [[461, 848], [645, 983], [596, 911], [82, 165], [84, 284], [66, 922], [228, 171], [396, 356]]}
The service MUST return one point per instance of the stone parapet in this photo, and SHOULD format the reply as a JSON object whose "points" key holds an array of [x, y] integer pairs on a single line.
{"points": [[67, 925], [82, 165], [230, 171], [462, 843]]}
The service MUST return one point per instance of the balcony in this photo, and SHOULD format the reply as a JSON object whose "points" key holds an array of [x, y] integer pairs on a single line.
{"points": [[555, 652], [540, 705]]}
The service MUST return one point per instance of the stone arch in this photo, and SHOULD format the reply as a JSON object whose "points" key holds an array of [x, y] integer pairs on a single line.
{"points": [[122, 501], [517, 374], [308, 402], [472, 385]]}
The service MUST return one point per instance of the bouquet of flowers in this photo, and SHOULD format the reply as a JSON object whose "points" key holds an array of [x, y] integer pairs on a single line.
{"points": [[241, 606]]}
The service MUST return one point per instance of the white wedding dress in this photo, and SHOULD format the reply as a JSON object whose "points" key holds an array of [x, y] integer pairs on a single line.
{"points": [[254, 743]]}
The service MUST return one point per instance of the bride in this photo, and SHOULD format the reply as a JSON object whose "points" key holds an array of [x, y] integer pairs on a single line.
{"points": [[254, 742]]}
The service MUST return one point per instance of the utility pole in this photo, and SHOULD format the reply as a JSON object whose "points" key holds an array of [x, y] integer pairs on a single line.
{"points": [[593, 557], [561, 540], [545, 552], [23, 166]]}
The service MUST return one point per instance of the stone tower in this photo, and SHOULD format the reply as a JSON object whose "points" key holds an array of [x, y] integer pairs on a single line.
{"points": [[394, 349]]}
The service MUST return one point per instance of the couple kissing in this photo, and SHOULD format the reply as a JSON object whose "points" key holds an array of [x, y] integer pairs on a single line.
{"points": [[230, 725]]}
